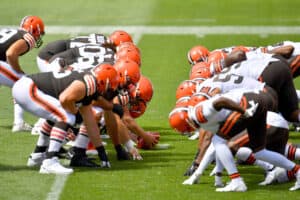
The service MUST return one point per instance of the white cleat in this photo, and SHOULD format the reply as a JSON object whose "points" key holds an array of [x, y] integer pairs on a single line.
{"points": [[191, 180], [234, 186], [35, 130], [270, 177], [297, 184], [21, 127], [52, 166], [36, 159], [195, 136]]}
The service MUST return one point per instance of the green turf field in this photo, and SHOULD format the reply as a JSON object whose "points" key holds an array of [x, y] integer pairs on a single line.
{"points": [[160, 174]]}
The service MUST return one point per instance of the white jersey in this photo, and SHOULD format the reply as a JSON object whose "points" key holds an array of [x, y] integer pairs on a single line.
{"points": [[227, 82], [252, 68], [207, 117], [275, 119]]}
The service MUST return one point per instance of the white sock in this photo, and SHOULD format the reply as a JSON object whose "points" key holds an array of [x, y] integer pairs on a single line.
{"points": [[43, 140], [292, 152], [219, 166], [39, 122], [245, 153], [18, 114], [207, 159], [275, 159], [81, 141], [224, 154]]}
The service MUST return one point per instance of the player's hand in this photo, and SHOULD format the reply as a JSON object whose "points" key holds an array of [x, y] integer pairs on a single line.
{"points": [[191, 169], [135, 154]]}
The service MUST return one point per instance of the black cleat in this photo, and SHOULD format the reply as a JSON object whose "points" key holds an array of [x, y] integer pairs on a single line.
{"points": [[83, 161]]}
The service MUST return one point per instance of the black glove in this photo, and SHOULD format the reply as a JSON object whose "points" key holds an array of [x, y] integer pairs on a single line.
{"points": [[117, 108], [191, 169]]}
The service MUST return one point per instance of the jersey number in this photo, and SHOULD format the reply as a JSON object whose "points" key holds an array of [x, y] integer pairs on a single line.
{"points": [[5, 34]]}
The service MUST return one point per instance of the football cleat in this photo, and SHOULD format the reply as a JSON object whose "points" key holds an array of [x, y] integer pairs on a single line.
{"points": [[21, 127], [36, 159], [82, 161], [270, 177], [35, 130], [52, 166], [297, 184], [234, 186], [194, 179]]}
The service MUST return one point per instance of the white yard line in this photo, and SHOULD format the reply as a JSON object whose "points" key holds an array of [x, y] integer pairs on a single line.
{"points": [[57, 187], [138, 31]]}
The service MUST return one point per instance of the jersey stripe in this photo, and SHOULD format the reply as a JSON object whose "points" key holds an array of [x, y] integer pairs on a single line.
{"points": [[30, 40], [8, 74], [233, 118], [52, 109], [90, 85], [199, 115], [244, 139]]}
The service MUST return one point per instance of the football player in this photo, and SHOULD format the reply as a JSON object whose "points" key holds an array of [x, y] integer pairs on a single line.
{"points": [[59, 97], [239, 109], [13, 44]]}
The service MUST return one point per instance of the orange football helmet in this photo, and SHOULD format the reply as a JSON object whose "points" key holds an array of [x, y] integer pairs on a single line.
{"points": [[186, 88], [242, 48], [200, 70], [197, 98], [35, 26], [215, 59], [129, 53], [198, 65], [198, 54], [143, 89], [128, 71], [129, 45], [106, 76], [216, 56], [119, 36], [137, 108], [182, 101], [179, 120]]}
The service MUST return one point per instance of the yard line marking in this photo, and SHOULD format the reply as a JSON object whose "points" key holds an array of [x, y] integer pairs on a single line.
{"points": [[57, 187], [202, 30], [138, 31]]}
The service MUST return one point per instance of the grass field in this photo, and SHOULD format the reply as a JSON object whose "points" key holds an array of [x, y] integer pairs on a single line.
{"points": [[160, 174]]}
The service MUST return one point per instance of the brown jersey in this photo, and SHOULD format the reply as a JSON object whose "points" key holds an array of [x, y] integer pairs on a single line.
{"points": [[10, 36], [54, 83], [58, 46]]}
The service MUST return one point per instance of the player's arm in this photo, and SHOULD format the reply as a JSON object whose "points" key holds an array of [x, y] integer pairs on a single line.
{"points": [[14, 51], [226, 103], [285, 51], [73, 93], [234, 57]]}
